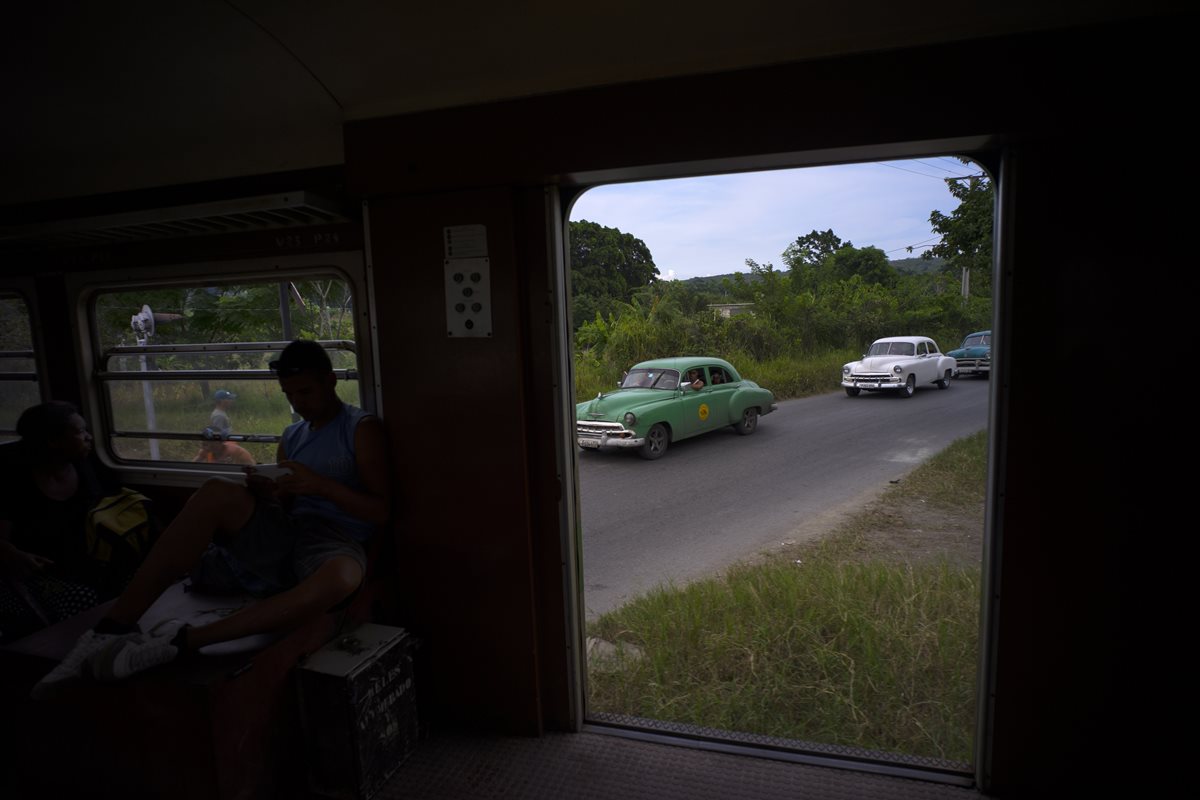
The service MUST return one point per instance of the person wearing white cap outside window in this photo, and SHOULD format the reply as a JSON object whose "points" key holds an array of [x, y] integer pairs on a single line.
{"points": [[219, 419]]}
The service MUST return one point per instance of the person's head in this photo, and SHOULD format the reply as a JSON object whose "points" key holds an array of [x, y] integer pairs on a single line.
{"points": [[307, 379], [223, 398], [54, 431]]}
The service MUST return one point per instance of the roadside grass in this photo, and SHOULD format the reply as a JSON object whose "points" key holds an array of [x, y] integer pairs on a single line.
{"points": [[785, 376], [837, 641]]}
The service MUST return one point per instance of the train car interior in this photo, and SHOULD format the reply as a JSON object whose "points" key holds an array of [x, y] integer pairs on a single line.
{"points": [[363, 153]]}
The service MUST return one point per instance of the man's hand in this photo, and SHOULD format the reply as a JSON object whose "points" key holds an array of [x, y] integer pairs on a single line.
{"points": [[260, 485], [19, 563], [302, 480]]}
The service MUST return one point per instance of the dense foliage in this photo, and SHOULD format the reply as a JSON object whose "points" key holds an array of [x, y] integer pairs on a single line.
{"points": [[832, 297]]}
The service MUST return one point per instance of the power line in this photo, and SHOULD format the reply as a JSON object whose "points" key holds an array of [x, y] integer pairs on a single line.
{"points": [[935, 166], [916, 244], [913, 171]]}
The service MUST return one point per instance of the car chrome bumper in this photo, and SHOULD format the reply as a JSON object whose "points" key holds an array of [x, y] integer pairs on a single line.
{"points": [[596, 442], [872, 385]]}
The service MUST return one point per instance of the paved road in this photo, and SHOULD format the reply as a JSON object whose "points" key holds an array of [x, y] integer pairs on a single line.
{"points": [[719, 498]]}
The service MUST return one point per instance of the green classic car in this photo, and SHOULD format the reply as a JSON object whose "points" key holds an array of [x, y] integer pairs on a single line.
{"points": [[669, 399]]}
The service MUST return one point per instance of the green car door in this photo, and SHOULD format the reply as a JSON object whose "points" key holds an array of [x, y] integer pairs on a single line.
{"points": [[705, 408]]}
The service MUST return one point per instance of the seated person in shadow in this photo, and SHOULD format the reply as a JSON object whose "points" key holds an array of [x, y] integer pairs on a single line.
{"points": [[213, 450], [695, 379], [49, 480], [296, 542]]}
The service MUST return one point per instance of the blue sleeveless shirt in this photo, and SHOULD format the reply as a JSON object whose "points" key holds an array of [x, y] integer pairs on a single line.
{"points": [[329, 451]]}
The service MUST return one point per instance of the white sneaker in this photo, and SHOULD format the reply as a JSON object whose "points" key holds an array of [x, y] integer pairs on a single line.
{"points": [[135, 652], [72, 667]]}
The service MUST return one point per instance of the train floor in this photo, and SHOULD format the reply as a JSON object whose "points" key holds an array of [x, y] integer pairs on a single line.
{"points": [[588, 765]]}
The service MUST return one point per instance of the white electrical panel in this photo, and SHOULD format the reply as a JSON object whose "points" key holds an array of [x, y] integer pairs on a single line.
{"points": [[468, 297]]}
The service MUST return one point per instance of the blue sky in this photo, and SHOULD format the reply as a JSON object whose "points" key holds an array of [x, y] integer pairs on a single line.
{"points": [[711, 225]]}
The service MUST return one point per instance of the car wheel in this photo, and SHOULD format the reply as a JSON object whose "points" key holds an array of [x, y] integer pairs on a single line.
{"points": [[944, 383], [852, 392], [657, 439], [910, 386], [749, 422]]}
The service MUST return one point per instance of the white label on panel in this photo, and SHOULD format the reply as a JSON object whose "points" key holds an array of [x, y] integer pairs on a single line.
{"points": [[465, 241]]}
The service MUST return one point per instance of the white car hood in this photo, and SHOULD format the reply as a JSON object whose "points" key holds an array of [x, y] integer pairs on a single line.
{"points": [[879, 363]]}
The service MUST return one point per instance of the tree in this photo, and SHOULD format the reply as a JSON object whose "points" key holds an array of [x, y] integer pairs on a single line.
{"points": [[967, 232], [607, 266], [805, 256], [868, 262]]}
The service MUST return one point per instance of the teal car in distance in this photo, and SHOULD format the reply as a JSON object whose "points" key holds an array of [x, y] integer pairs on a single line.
{"points": [[974, 355], [668, 399]]}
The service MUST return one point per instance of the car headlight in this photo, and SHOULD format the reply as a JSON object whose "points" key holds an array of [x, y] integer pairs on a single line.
{"points": [[897, 369], [630, 419], [846, 370]]}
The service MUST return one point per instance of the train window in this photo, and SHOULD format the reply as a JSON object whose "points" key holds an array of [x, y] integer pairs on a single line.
{"points": [[183, 373], [19, 386]]}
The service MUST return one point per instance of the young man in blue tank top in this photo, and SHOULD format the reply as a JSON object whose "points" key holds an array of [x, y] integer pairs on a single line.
{"points": [[297, 541]]}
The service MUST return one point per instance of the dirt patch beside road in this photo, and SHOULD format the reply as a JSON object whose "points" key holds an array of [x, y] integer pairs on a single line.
{"points": [[934, 513]]}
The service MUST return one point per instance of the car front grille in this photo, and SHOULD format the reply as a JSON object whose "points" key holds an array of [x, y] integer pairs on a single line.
{"points": [[594, 430], [882, 377], [973, 362]]}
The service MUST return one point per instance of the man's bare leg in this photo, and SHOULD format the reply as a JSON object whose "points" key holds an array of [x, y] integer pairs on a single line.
{"points": [[333, 582], [218, 506]]}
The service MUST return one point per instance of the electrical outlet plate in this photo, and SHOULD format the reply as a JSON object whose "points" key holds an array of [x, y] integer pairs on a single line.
{"points": [[468, 298]]}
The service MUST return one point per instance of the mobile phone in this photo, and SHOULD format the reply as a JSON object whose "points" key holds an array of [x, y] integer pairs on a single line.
{"points": [[272, 471]]}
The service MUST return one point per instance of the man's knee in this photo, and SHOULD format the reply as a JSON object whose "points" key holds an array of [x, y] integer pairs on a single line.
{"points": [[337, 579], [230, 503]]}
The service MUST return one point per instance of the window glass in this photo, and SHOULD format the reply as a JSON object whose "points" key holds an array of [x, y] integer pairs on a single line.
{"points": [[182, 366], [19, 388]]}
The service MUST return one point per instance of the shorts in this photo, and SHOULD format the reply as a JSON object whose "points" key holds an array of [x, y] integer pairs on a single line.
{"points": [[273, 552]]}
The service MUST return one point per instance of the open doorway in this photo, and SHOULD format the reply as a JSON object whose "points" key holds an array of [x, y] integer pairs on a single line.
{"points": [[809, 578]]}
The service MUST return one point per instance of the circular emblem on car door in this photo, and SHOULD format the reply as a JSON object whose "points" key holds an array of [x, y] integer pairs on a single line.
{"points": [[704, 411]]}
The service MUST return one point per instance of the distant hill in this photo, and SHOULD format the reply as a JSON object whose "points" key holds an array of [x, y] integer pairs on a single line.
{"points": [[908, 266], [918, 266]]}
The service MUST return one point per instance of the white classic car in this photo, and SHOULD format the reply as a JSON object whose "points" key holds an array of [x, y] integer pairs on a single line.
{"points": [[899, 363]]}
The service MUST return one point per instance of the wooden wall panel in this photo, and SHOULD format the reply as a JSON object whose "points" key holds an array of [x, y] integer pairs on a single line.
{"points": [[456, 413]]}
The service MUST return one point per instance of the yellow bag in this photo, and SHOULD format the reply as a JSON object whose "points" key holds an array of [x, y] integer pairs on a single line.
{"points": [[120, 530]]}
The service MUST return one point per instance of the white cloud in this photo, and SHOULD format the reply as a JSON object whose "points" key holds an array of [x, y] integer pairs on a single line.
{"points": [[711, 225]]}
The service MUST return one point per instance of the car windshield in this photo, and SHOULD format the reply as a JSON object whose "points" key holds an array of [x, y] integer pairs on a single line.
{"points": [[892, 349], [977, 341], [651, 379]]}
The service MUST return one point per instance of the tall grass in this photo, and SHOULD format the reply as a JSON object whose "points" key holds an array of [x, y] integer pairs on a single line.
{"points": [[830, 643], [184, 408]]}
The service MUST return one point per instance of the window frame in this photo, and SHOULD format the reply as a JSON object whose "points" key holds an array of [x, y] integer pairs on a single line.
{"points": [[994, 161], [24, 289], [83, 289]]}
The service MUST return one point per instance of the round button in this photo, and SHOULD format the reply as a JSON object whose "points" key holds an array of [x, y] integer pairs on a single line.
{"points": [[459, 307], [476, 307], [458, 277], [467, 292], [476, 277], [469, 324]]}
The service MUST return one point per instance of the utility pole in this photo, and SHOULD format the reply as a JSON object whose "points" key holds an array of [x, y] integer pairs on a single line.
{"points": [[143, 328]]}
